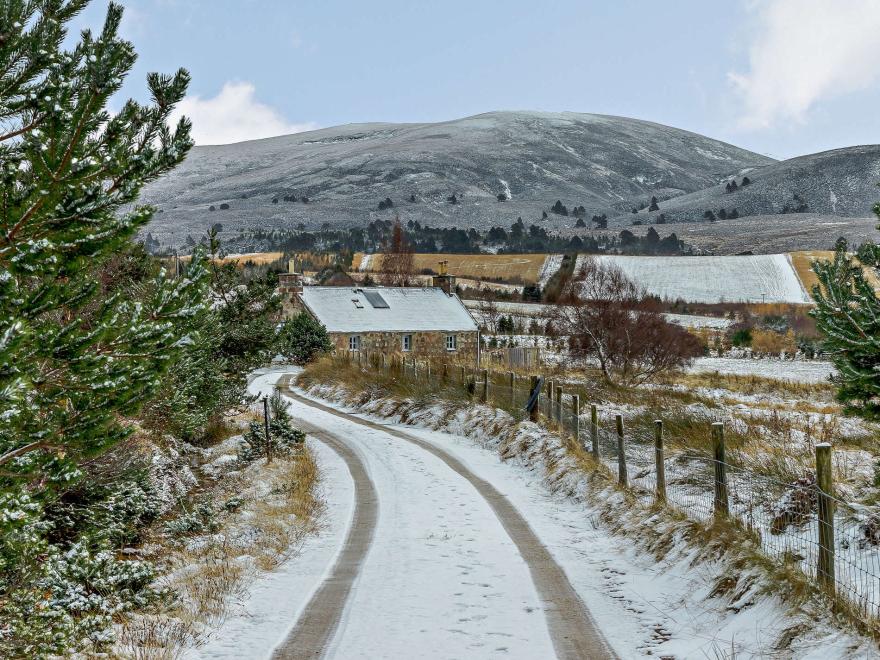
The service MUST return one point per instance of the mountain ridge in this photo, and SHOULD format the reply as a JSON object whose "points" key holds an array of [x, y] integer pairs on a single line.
{"points": [[491, 168]]}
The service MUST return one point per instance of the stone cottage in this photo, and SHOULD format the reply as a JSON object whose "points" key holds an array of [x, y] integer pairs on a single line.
{"points": [[409, 321]]}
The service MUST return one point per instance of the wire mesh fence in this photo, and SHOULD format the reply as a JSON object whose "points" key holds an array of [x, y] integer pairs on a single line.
{"points": [[799, 523]]}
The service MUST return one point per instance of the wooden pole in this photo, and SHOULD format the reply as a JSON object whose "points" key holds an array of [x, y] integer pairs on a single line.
{"points": [[533, 414], [559, 417], [576, 419], [550, 404], [445, 371], [266, 428], [594, 430], [722, 505], [462, 374], [511, 383], [484, 397], [658, 457], [825, 567], [622, 477]]}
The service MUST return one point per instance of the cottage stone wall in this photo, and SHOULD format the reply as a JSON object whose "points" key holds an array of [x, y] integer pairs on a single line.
{"points": [[424, 344]]}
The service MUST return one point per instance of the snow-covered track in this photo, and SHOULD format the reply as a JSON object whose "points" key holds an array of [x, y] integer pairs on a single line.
{"points": [[320, 619], [574, 633]]}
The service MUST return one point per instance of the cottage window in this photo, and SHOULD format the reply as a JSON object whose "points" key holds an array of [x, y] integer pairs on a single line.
{"points": [[451, 343], [407, 342], [354, 343]]}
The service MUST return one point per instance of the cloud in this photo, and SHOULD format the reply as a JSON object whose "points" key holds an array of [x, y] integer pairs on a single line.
{"points": [[234, 115], [806, 51]]}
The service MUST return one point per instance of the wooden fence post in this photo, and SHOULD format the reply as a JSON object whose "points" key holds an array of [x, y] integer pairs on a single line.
{"points": [[266, 427], [576, 417], [722, 505], [560, 419], [533, 414], [622, 477], [825, 484], [461, 372], [445, 371], [551, 390], [484, 397], [594, 430], [660, 461], [511, 383]]}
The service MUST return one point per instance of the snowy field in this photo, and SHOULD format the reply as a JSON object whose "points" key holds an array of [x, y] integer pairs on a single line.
{"points": [[754, 278], [800, 371], [539, 311]]}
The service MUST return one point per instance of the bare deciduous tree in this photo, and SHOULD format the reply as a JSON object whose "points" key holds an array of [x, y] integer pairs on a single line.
{"points": [[488, 310], [397, 261], [609, 319]]}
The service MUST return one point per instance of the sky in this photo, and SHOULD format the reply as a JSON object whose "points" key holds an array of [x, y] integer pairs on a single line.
{"points": [[780, 77]]}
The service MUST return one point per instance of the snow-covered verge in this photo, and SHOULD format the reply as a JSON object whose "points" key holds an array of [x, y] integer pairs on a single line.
{"points": [[241, 518], [669, 590], [799, 371]]}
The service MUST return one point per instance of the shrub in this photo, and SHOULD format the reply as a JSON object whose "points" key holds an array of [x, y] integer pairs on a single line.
{"points": [[303, 338], [282, 436]]}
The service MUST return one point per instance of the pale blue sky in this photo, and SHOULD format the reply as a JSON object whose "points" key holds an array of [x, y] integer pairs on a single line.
{"points": [[782, 77]]}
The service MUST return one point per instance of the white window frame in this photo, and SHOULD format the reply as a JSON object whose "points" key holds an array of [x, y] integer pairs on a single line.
{"points": [[354, 342], [407, 343], [451, 343]]}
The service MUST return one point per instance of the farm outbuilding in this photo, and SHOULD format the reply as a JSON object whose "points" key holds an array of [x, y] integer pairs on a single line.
{"points": [[411, 321]]}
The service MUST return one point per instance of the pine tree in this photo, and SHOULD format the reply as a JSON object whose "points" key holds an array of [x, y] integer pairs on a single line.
{"points": [[302, 338], [847, 314], [70, 363], [75, 357]]}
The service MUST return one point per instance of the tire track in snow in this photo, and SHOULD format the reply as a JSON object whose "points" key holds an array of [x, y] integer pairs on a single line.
{"points": [[573, 631], [320, 619]]}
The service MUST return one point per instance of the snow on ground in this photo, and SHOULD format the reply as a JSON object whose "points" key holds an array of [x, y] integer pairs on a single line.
{"points": [[275, 600], [539, 311], [441, 580], [692, 321], [551, 264], [712, 279], [644, 606], [800, 371]]}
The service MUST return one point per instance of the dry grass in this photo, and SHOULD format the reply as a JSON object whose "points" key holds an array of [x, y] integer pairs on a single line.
{"points": [[209, 574], [802, 265], [503, 267], [819, 394]]}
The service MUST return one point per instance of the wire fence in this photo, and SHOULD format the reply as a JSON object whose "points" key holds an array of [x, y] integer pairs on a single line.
{"points": [[800, 523]]}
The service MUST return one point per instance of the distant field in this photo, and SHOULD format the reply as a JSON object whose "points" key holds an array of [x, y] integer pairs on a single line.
{"points": [[714, 279], [525, 267], [802, 261]]}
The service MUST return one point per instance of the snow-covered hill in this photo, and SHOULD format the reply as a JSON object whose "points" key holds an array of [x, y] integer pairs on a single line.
{"points": [[606, 164], [841, 182]]}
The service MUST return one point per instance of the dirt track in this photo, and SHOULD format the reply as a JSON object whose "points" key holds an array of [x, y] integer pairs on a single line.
{"points": [[573, 631]]}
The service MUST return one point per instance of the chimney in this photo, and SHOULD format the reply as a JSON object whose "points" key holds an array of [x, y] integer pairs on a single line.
{"points": [[291, 282], [444, 280]]}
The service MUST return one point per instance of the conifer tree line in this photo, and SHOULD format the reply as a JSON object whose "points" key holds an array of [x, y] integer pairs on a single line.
{"points": [[96, 337]]}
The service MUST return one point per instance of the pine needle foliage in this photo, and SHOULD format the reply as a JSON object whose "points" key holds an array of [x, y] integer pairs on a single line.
{"points": [[847, 314], [70, 172]]}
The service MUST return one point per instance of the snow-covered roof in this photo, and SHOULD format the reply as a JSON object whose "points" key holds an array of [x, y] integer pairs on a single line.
{"points": [[409, 309]]}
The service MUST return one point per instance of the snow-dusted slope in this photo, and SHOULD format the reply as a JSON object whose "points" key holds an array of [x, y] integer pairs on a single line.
{"points": [[836, 183], [752, 278], [607, 164]]}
